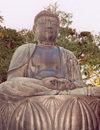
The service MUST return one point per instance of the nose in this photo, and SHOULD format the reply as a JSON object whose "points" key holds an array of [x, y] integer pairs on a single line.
{"points": [[49, 25]]}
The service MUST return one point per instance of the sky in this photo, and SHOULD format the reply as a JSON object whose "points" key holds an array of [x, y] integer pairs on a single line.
{"points": [[19, 14]]}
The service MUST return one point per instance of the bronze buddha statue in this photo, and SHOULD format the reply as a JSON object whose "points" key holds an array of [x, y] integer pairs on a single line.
{"points": [[47, 69]]}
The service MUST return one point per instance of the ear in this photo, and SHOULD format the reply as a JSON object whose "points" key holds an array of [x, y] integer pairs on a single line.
{"points": [[57, 32], [34, 28], [35, 33]]}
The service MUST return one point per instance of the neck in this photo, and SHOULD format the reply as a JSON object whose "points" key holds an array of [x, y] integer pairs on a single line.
{"points": [[48, 43]]}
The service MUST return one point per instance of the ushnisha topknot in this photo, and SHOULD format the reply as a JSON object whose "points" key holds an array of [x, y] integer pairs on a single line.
{"points": [[46, 13]]}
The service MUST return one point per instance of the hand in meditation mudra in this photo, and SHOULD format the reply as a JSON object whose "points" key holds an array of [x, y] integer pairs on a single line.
{"points": [[43, 68]]}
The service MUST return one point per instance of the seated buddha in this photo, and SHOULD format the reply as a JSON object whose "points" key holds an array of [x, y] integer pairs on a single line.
{"points": [[44, 68]]}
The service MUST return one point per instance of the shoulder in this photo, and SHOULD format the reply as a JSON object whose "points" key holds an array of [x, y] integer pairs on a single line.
{"points": [[68, 55], [67, 52], [24, 48], [21, 56]]}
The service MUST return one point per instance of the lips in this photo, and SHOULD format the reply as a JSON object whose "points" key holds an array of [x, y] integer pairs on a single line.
{"points": [[49, 31]]}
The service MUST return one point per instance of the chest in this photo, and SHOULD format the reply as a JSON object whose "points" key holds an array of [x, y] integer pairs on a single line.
{"points": [[46, 57]]}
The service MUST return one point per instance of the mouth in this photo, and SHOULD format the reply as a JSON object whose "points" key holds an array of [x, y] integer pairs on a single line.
{"points": [[49, 31]]}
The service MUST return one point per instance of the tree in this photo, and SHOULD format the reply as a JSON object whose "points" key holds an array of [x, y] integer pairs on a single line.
{"points": [[10, 39], [28, 35]]}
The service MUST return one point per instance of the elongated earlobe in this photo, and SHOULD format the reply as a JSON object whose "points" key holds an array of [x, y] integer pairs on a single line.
{"points": [[34, 28]]}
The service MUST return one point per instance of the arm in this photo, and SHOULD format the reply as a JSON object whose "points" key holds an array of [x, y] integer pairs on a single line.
{"points": [[18, 65], [71, 71], [18, 72]]}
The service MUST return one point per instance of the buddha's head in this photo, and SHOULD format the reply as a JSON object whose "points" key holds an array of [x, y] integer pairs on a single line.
{"points": [[45, 27]]}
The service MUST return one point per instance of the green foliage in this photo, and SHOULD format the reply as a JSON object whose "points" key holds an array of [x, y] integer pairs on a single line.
{"points": [[85, 49], [10, 39], [28, 35]]}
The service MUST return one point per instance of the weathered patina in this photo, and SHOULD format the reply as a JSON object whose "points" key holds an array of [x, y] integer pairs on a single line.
{"points": [[43, 69]]}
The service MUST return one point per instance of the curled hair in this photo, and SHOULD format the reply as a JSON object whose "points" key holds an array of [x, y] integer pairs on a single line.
{"points": [[46, 13]]}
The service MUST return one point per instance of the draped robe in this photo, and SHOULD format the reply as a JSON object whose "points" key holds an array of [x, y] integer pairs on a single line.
{"points": [[19, 85]]}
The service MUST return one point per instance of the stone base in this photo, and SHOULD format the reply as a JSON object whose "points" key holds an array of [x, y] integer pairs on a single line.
{"points": [[57, 112]]}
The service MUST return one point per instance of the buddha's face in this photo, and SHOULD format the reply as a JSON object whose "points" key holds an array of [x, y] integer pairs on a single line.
{"points": [[46, 29]]}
